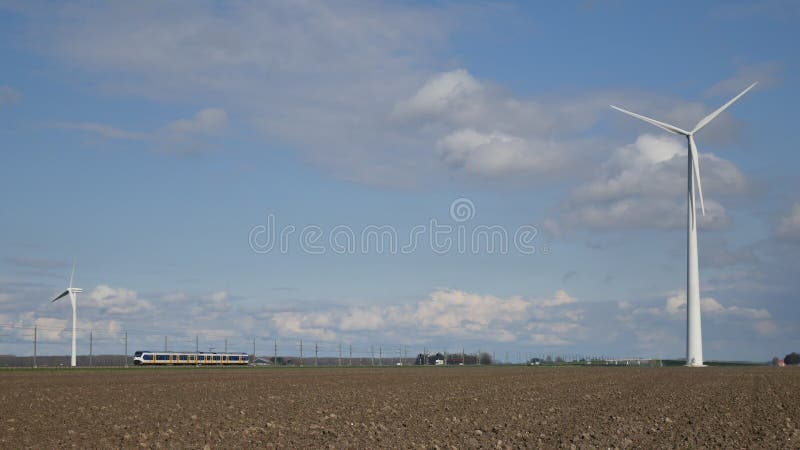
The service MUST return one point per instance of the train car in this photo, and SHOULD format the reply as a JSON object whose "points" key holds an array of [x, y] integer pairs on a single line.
{"points": [[149, 358]]}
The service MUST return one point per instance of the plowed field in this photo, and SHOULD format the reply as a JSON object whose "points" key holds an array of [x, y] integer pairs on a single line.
{"points": [[402, 407]]}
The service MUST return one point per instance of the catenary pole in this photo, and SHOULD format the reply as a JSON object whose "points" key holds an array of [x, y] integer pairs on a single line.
{"points": [[34, 346]]}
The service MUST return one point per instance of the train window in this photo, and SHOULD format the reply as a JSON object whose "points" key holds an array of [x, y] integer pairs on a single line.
{"points": [[147, 357], [162, 357], [184, 357], [216, 357], [137, 354], [234, 358]]}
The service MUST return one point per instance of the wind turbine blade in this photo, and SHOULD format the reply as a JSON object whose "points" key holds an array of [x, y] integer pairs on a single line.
{"points": [[72, 274], [60, 296], [705, 120], [696, 172], [662, 125]]}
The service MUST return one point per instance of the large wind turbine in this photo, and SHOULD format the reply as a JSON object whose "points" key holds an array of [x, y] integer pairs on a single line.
{"points": [[694, 338], [73, 297]]}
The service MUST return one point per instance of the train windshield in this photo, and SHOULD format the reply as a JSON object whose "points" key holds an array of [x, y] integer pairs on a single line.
{"points": [[137, 354]]}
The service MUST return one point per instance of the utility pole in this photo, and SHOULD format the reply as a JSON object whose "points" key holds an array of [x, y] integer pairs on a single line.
{"points": [[351, 355], [196, 346], [254, 349], [372, 355], [340, 354], [126, 348], [478, 360], [380, 355], [301, 352], [316, 354], [165, 343], [275, 354], [226, 345], [90, 348], [34, 346]]}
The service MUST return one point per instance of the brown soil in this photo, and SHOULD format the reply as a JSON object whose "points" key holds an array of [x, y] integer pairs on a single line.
{"points": [[402, 407]]}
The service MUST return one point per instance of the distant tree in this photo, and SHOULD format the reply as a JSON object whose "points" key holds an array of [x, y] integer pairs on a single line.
{"points": [[470, 359], [775, 360], [792, 359], [485, 358]]}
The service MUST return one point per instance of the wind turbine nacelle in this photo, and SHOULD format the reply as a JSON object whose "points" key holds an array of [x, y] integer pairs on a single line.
{"points": [[75, 290]]}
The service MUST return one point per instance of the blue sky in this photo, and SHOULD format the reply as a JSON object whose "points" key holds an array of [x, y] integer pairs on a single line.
{"points": [[146, 141]]}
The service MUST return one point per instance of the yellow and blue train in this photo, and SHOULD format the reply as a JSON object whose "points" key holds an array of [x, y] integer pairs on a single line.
{"points": [[148, 358]]}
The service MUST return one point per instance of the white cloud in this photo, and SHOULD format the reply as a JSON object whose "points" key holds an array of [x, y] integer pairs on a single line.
{"points": [[553, 333], [180, 136], [198, 307], [106, 131], [212, 306], [644, 185], [360, 319], [483, 131], [558, 299], [766, 327], [321, 78], [317, 326], [445, 93], [445, 313], [767, 74], [208, 121], [496, 154], [676, 306], [49, 329], [356, 90], [789, 225], [115, 301], [453, 311]]}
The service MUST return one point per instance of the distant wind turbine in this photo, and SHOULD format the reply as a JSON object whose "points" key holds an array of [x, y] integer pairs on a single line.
{"points": [[694, 338], [73, 297]]}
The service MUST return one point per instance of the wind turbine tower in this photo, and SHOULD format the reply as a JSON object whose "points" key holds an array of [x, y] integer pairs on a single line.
{"points": [[694, 338], [73, 297]]}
